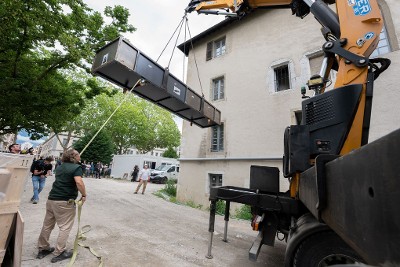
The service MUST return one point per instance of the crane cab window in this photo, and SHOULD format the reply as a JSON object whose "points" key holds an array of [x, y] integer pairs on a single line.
{"points": [[215, 48]]}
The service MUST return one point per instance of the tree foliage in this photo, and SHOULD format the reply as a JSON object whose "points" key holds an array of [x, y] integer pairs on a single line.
{"points": [[170, 153], [42, 44], [101, 149], [137, 122]]}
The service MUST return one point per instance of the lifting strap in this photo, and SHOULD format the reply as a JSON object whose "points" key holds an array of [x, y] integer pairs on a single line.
{"points": [[81, 237]]}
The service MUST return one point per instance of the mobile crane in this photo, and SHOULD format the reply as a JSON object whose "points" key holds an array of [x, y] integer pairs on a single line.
{"points": [[339, 208]]}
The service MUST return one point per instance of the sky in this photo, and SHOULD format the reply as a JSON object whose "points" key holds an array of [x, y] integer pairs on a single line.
{"points": [[155, 22], [26, 142]]}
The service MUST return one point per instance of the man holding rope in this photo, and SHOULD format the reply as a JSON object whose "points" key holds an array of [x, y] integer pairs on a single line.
{"points": [[60, 206]]}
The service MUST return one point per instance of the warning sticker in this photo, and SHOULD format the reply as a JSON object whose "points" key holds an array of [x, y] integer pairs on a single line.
{"points": [[362, 7], [369, 35], [351, 2]]}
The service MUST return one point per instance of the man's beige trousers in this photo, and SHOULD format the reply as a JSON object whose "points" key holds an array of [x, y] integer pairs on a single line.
{"points": [[62, 213]]}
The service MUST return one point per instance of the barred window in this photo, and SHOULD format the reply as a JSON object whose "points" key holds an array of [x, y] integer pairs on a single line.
{"points": [[217, 138], [282, 81]]}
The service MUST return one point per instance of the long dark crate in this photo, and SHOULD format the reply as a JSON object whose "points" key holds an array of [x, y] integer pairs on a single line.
{"points": [[124, 65], [154, 75]]}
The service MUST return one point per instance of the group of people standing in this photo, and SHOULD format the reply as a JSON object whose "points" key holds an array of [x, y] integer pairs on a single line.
{"points": [[95, 169], [16, 149], [61, 202]]}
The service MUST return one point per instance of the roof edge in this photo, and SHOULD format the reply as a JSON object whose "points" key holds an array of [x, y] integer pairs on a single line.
{"points": [[186, 46]]}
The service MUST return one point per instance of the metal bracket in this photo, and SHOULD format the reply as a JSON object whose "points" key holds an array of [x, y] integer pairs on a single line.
{"points": [[335, 47]]}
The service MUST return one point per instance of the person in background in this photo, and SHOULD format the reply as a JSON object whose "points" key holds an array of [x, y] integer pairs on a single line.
{"points": [[40, 170], [57, 163], [97, 169], [14, 148], [135, 173], [61, 208], [87, 170], [104, 170], [144, 176], [31, 151], [83, 166], [92, 169]]}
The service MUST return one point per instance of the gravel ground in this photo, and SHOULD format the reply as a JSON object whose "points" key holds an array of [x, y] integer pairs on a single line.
{"points": [[144, 230]]}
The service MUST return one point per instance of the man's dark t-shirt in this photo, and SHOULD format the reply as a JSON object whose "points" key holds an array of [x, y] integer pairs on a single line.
{"points": [[40, 165], [64, 187]]}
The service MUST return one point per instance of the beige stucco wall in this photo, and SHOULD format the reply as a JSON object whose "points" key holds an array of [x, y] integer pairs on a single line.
{"points": [[254, 116]]}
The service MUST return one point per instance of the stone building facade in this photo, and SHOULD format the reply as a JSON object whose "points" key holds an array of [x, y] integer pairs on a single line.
{"points": [[252, 70]]}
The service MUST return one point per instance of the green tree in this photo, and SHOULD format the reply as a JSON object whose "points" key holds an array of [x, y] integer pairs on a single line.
{"points": [[137, 122], [41, 42], [101, 148], [170, 153]]}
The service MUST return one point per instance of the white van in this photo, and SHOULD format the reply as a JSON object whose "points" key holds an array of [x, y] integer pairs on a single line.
{"points": [[163, 173]]}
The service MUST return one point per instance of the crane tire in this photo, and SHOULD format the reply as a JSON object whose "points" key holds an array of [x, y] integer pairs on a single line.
{"points": [[324, 248]]}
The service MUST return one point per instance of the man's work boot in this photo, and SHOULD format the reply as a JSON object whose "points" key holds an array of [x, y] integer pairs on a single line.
{"points": [[43, 253], [64, 255]]}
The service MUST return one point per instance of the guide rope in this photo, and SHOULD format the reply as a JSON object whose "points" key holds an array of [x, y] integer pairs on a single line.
{"points": [[112, 114], [80, 233]]}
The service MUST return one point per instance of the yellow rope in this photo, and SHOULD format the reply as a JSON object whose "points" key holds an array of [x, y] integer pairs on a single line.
{"points": [[112, 114], [80, 233]]}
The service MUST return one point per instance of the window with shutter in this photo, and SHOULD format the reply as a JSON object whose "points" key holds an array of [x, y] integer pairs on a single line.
{"points": [[215, 48], [209, 51]]}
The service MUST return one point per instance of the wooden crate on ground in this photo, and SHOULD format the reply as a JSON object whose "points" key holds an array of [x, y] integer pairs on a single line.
{"points": [[14, 170]]}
